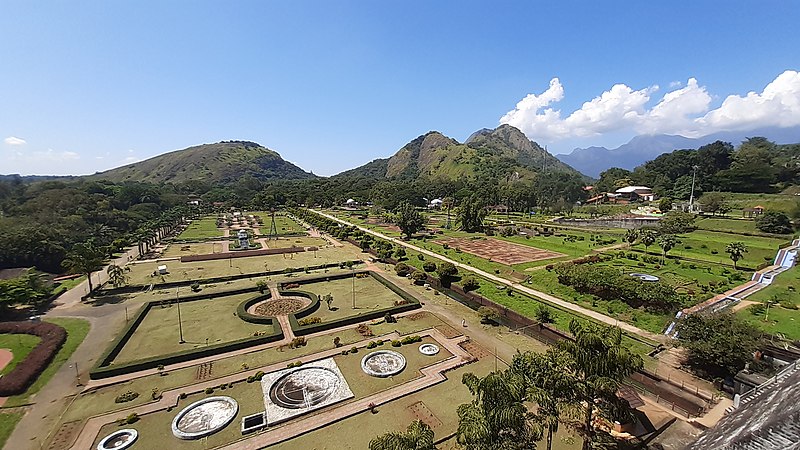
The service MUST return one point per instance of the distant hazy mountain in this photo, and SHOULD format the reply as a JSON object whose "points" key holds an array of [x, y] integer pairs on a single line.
{"points": [[215, 163], [593, 160], [503, 151]]}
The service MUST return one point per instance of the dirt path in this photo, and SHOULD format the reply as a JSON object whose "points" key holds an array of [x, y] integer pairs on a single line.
{"points": [[742, 304], [547, 297]]}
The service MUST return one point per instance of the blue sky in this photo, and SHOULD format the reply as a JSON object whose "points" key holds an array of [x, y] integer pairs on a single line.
{"points": [[87, 86]]}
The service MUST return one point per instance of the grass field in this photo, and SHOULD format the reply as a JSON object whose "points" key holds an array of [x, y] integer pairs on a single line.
{"points": [[296, 241], [283, 224], [202, 229], [710, 246], [770, 202], [369, 294], [141, 274], [77, 329], [158, 332], [7, 423], [20, 345], [780, 319], [195, 248]]}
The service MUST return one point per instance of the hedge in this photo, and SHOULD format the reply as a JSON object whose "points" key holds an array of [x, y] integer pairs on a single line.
{"points": [[241, 310], [28, 370], [300, 330], [105, 369], [308, 310]]}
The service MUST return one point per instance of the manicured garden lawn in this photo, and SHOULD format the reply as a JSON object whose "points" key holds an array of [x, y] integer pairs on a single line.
{"points": [[771, 202], [141, 274], [702, 245], [780, 320], [369, 294], [202, 229], [195, 248], [20, 345], [77, 329], [296, 241], [727, 225], [204, 322], [7, 423], [283, 224]]}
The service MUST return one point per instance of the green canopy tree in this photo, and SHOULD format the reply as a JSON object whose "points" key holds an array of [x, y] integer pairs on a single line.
{"points": [[736, 250], [84, 258], [720, 344], [648, 238], [418, 436], [470, 215], [631, 236], [116, 275], [408, 219], [598, 363]]}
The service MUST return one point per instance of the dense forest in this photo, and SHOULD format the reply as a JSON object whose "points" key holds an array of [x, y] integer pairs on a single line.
{"points": [[757, 165]]}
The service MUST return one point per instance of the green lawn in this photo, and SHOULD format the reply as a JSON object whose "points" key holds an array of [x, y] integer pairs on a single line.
{"points": [[710, 246], [771, 202], [205, 322], [780, 320], [727, 225], [369, 294], [7, 423], [77, 329], [283, 224], [20, 345], [204, 228]]}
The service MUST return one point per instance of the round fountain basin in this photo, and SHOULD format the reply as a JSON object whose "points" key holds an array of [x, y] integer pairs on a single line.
{"points": [[429, 349], [644, 276], [304, 388], [383, 363], [204, 417], [118, 440]]}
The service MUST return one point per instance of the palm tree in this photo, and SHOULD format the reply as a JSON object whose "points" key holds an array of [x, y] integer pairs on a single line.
{"points": [[418, 436], [497, 418], [549, 385], [116, 275], [85, 259], [648, 238], [736, 250], [598, 363], [631, 236], [666, 242]]}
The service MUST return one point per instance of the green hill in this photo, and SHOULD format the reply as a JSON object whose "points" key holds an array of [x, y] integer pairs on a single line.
{"points": [[502, 153], [213, 163]]}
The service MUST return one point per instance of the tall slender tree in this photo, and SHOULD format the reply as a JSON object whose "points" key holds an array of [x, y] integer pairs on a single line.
{"points": [[631, 236], [418, 436], [84, 258], [598, 363], [116, 275], [667, 242], [647, 238], [736, 250]]}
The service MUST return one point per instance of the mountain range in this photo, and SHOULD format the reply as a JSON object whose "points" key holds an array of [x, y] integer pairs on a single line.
{"points": [[593, 160]]}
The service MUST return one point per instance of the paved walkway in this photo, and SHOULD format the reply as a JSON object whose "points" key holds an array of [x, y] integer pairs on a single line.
{"points": [[430, 375], [542, 295]]}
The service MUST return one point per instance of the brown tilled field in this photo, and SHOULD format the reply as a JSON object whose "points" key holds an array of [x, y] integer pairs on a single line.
{"points": [[503, 252]]}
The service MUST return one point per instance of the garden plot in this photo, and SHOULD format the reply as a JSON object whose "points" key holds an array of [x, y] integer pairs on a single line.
{"points": [[500, 251]]}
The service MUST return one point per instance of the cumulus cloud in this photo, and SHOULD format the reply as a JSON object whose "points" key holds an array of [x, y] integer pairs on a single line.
{"points": [[13, 140], [682, 110]]}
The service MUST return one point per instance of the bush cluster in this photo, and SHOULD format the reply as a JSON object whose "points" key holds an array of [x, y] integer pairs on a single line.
{"points": [[256, 377], [297, 342], [126, 397], [309, 321], [25, 373], [609, 284]]}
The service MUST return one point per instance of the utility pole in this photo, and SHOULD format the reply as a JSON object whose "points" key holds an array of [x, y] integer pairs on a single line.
{"points": [[180, 325], [354, 289], [691, 196]]}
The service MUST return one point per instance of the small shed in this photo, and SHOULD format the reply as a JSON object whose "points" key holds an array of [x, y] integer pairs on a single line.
{"points": [[162, 270]]}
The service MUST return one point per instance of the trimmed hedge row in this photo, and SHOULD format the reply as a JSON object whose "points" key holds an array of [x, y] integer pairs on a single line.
{"points": [[308, 310], [242, 254], [104, 369], [302, 330], [28, 370], [241, 310]]}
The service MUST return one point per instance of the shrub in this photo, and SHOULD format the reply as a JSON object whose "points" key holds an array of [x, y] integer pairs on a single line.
{"points": [[446, 270], [132, 418], [788, 304], [379, 342], [419, 277], [209, 390], [429, 266], [470, 284], [488, 316], [389, 318], [396, 343], [297, 342], [126, 397], [364, 330], [402, 269], [309, 321], [182, 396], [372, 344], [544, 314], [354, 350], [195, 287], [337, 342]]}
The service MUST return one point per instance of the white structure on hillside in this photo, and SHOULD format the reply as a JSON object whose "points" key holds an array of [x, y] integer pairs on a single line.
{"points": [[636, 193]]}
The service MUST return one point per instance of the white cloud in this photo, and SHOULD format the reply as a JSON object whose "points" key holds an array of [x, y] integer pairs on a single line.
{"points": [[12, 140], [681, 110]]}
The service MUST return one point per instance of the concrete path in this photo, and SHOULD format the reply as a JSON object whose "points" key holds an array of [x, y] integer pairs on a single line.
{"points": [[542, 295]]}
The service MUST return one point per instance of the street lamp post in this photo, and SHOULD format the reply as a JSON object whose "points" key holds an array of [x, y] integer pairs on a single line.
{"points": [[180, 325], [354, 289], [691, 196], [77, 374]]}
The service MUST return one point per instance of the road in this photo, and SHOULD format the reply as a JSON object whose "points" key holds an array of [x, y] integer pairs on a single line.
{"points": [[522, 288], [50, 402]]}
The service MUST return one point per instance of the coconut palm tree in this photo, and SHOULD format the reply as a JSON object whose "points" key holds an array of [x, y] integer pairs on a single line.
{"points": [[497, 418], [647, 238], [631, 236], [736, 250], [418, 436], [598, 362], [549, 385], [84, 258], [666, 242]]}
